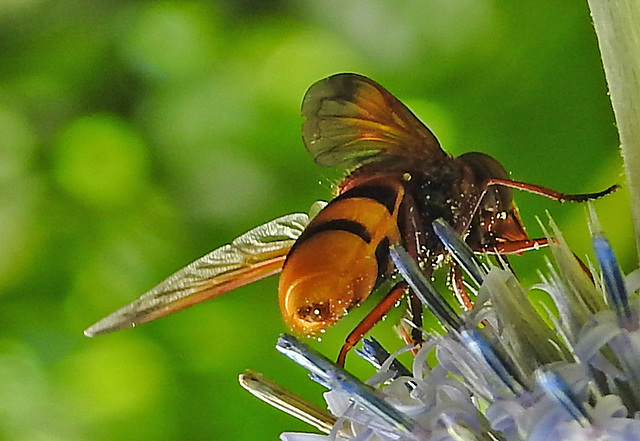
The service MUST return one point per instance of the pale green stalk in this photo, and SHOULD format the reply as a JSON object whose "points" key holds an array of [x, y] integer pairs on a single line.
{"points": [[617, 25]]}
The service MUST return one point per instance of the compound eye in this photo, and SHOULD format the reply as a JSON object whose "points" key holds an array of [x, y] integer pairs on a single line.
{"points": [[484, 168]]}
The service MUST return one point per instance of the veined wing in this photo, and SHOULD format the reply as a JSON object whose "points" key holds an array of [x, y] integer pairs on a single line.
{"points": [[350, 119], [259, 253]]}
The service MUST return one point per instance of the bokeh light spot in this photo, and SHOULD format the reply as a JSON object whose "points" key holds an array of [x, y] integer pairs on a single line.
{"points": [[20, 228], [114, 378], [23, 390], [171, 40], [101, 160], [18, 143], [317, 54], [20, 194], [234, 186]]}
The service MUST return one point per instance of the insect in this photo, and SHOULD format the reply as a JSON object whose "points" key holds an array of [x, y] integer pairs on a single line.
{"points": [[400, 180]]}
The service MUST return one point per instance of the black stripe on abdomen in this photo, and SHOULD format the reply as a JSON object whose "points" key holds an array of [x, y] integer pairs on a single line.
{"points": [[382, 194], [347, 225]]}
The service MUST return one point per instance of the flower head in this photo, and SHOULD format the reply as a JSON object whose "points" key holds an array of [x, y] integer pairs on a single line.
{"points": [[502, 372]]}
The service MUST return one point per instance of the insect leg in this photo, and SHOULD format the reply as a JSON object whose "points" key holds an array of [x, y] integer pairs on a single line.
{"points": [[525, 245], [457, 283], [415, 311], [547, 192], [512, 247], [414, 240], [371, 319], [535, 189]]}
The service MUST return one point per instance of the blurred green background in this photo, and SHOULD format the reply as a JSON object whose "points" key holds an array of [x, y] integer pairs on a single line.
{"points": [[137, 136]]}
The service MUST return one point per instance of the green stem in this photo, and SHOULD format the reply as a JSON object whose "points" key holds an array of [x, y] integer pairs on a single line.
{"points": [[617, 25]]}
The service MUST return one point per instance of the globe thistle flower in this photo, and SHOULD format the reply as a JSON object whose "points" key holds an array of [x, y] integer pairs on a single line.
{"points": [[503, 373]]}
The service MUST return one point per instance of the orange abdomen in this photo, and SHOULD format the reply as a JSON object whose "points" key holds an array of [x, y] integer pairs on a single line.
{"points": [[333, 266]]}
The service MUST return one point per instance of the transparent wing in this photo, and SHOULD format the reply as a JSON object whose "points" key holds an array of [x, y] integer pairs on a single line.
{"points": [[350, 120], [259, 253]]}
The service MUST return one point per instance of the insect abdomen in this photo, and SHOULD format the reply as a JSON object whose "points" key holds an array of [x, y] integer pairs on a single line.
{"points": [[334, 265]]}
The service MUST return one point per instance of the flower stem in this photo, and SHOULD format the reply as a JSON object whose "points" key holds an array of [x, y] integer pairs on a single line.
{"points": [[617, 26]]}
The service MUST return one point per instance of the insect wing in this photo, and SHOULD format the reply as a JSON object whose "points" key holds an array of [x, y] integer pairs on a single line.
{"points": [[259, 253], [350, 120]]}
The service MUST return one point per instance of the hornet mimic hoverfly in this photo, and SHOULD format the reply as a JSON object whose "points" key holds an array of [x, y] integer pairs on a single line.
{"points": [[399, 181]]}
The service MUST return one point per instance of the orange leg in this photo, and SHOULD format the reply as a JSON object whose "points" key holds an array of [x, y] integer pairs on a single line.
{"points": [[547, 192], [371, 319], [457, 282], [507, 247], [513, 247], [520, 246], [407, 335], [536, 189]]}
